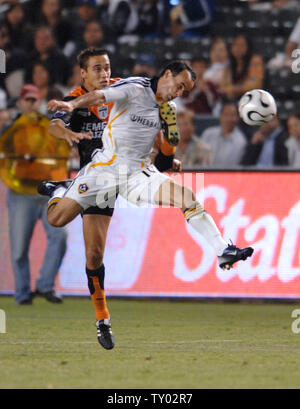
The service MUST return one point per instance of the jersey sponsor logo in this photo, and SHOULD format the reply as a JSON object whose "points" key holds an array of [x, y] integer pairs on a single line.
{"points": [[144, 121], [96, 128], [59, 114], [103, 111], [83, 188]]}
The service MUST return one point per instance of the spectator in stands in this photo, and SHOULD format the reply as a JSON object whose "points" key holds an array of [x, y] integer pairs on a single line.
{"points": [[292, 44], [42, 79], [29, 135], [226, 141], [293, 142], [84, 12], [87, 10], [51, 15], [191, 151], [218, 62], [267, 146], [45, 50], [204, 95], [286, 58], [193, 16], [92, 37], [4, 118], [144, 66], [148, 19], [15, 60], [118, 17], [17, 28], [245, 72], [93, 34]]}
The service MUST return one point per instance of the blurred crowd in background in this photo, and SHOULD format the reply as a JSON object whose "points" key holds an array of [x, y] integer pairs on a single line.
{"points": [[233, 46]]}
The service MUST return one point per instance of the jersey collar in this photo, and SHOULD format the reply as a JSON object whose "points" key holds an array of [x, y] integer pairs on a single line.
{"points": [[84, 89], [154, 81]]}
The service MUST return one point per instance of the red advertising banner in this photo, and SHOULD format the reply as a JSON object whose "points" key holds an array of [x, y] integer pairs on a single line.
{"points": [[154, 252]]}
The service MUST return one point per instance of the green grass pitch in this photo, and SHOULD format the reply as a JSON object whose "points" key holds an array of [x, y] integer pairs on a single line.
{"points": [[159, 344]]}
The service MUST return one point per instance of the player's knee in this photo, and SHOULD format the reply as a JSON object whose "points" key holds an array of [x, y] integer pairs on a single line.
{"points": [[188, 197]]}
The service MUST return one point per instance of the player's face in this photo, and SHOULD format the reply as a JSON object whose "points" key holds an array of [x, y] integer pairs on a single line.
{"points": [[170, 87], [97, 74]]}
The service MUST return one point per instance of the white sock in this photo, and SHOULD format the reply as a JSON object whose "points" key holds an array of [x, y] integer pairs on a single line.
{"points": [[204, 224]]}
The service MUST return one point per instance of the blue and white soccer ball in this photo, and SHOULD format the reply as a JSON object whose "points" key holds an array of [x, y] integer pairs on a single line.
{"points": [[257, 107]]}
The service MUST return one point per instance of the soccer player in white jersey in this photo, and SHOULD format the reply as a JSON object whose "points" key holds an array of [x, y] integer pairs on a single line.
{"points": [[123, 165]]}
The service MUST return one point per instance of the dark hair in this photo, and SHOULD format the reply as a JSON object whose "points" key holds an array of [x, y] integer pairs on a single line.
{"points": [[44, 27], [94, 21], [176, 67], [237, 77], [84, 55], [46, 68]]}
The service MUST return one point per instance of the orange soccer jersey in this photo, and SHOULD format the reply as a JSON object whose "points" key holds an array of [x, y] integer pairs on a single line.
{"points": [[93, 119], [101, 111]]}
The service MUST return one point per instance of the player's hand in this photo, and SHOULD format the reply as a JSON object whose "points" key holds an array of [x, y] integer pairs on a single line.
{"points": [[76, 137], [55, 105], [177, 165]]}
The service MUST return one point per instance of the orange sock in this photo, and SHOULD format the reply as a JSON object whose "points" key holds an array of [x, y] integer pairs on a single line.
{"points": [[96, 287]]}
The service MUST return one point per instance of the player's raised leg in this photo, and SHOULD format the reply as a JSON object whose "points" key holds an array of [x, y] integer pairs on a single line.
{"points": [[173, 194], [95, 228], [61, 210]]}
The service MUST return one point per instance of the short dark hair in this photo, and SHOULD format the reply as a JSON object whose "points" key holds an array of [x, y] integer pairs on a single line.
{"points": [[84, 55], [176, 67]]}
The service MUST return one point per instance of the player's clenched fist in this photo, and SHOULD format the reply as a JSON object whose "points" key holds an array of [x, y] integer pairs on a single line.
{"points": [[55, 105]]}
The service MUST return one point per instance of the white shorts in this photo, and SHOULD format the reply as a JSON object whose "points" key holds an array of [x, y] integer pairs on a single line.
{"points": [[98, 185]]}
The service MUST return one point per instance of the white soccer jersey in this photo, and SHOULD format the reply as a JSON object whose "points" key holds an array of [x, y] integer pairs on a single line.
{"points": [[133, 122]]}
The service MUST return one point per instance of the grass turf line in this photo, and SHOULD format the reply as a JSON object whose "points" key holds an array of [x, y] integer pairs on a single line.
{"points": [[158, 345]]}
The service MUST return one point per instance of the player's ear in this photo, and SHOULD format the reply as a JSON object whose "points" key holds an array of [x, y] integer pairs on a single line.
{"points": [[83, 73], [167, 73]]}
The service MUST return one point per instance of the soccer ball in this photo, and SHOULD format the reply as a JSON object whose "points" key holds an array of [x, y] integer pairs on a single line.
{"points": [[257, 107]]}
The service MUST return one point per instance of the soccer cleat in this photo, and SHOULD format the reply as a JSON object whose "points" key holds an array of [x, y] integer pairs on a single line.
{"points": [[47, 187], [104, 333], [167, 113], [233, 254]]}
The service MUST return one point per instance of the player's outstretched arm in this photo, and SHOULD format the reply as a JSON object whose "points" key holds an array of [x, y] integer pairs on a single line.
{"points": [[58, 130], [84, 101]]}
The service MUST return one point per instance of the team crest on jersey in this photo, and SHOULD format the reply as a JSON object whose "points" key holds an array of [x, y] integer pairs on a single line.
{"points": [[59, 114], [83, 188], [102, 111]]}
